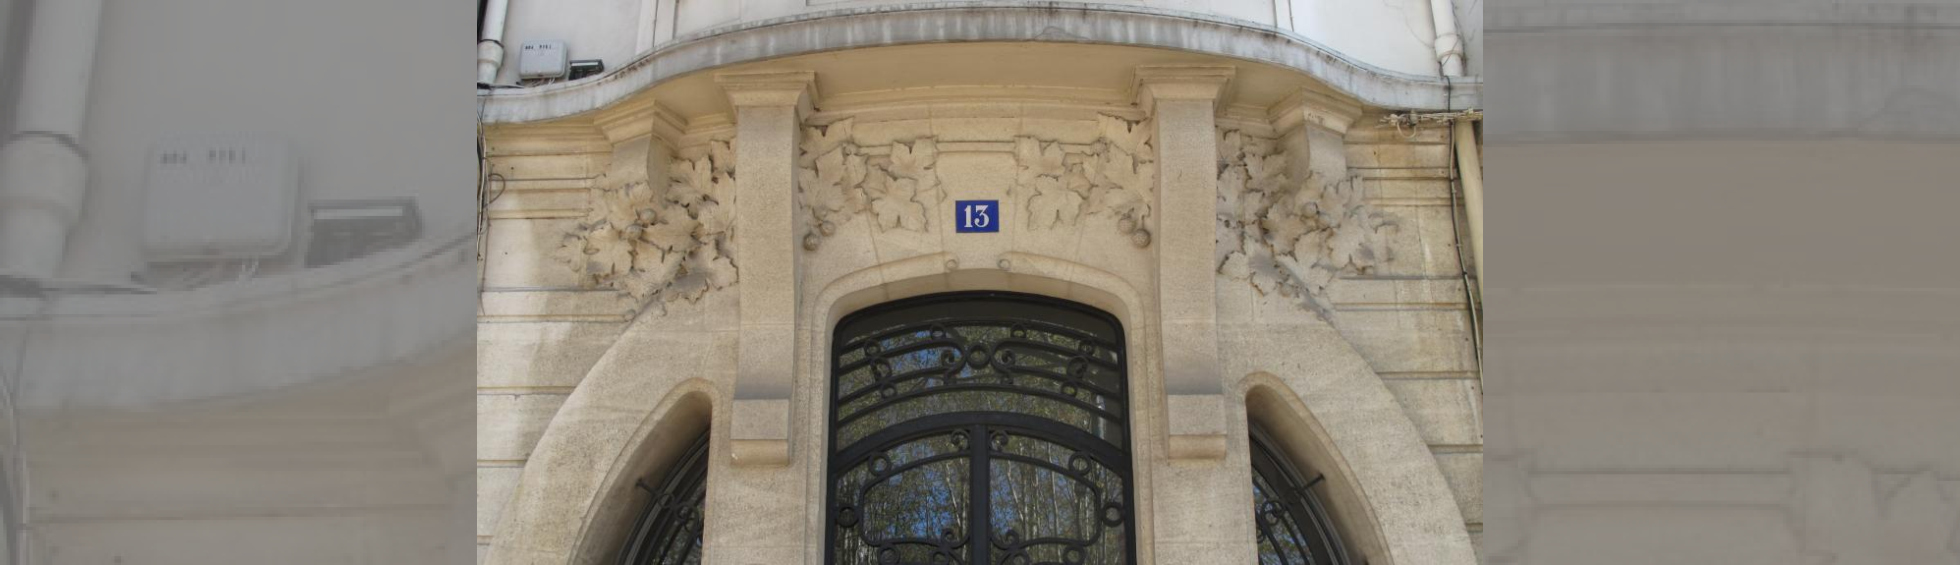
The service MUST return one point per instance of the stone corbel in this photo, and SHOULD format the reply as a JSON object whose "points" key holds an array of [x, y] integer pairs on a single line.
{"points": [[1311, 107], [796, 90], [769, 108], [1182, 82], [638, 116], [1313, 128], [759, 432], [1183, 103]]}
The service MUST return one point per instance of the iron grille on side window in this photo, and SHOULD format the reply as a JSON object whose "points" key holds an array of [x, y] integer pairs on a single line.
{"points": [[1293, 526], [669, 531]]}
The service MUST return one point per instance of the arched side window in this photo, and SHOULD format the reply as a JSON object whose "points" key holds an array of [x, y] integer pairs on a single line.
{"points": [[669, 531], [982, 428], [1293, 525]]}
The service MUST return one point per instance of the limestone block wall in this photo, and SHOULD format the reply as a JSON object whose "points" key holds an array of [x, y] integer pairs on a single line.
{"points": [[1410, 320], [876, 188]]}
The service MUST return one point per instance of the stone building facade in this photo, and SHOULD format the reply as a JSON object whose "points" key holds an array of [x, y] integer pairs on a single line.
{"points": [[678, 248]]}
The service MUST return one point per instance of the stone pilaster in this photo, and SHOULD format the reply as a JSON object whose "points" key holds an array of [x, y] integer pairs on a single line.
{"points": [[768, 111], [1182, 103]]}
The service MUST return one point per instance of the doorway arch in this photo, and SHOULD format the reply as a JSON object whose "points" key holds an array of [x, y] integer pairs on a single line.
{"points": [[979, 427]]}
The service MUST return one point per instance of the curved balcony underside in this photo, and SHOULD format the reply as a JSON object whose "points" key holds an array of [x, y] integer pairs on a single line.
{"points": [[986, 22]]}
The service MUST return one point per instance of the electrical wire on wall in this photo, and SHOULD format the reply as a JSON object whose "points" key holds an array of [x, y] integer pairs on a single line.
{"points": [[486, 179], [1472, 288]]}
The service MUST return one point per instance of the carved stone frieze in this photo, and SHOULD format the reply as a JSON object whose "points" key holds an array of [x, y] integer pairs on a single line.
{"points": [[1292, 236], [1056, 184], [660, 241], [1117, 175], [837, 180]]}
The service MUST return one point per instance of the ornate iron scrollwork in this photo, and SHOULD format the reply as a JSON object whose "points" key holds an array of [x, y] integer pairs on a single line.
{"points": [[1292, 524], [979, 428], [669, 531]]}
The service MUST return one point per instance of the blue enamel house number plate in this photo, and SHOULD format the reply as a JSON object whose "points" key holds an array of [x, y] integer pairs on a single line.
{"points": [[976, 216]]}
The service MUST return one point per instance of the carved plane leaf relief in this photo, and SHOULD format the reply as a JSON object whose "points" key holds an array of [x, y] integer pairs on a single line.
{"points": [[660, 241], [1292, 237], [837, 180], [1116, 175]]}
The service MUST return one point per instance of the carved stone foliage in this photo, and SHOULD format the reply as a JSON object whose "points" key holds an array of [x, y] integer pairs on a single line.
{"points": [[1288, 236], [837, 180], [1116, 175], [660, 241]]}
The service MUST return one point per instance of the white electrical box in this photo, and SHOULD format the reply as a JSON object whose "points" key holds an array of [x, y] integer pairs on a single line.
{"points": [[543, 59], [219, 197]]}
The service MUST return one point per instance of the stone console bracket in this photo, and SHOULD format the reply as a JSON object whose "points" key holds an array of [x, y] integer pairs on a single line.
{"points": [[1195, 428], [1182, 102], [759, 433], [769, 111]]}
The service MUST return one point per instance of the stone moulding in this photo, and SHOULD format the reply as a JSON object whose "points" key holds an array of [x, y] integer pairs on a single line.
{"points": [[1292, 237], [660, 242], [1002, 21], [1117, 175]]}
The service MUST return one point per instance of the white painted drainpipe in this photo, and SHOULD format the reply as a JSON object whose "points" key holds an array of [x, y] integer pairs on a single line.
{"points": [[43, 171], [1449, 55], [490, 46], [1470, 168], [1449, 44]]}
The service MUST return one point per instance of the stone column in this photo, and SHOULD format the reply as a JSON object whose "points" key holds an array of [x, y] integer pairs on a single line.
{"points": [[1182, 103], [768, 111]]}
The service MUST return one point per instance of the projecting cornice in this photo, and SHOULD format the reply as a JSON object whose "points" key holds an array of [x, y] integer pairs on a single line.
{"points": [[989, 21]]}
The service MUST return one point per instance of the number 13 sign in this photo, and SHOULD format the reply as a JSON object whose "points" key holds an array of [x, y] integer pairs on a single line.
{"points": [[976, 216]]}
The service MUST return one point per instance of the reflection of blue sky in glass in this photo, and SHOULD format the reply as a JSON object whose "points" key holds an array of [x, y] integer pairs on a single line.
{"points": [[918, 503]]}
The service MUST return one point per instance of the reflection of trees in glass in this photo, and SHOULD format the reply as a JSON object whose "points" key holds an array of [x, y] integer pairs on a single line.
{"points": [[994, 394], [1051, 497], [916, 502]]}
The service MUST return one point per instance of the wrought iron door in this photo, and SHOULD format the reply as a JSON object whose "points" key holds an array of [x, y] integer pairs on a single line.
{"points": [[979, 428]]}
